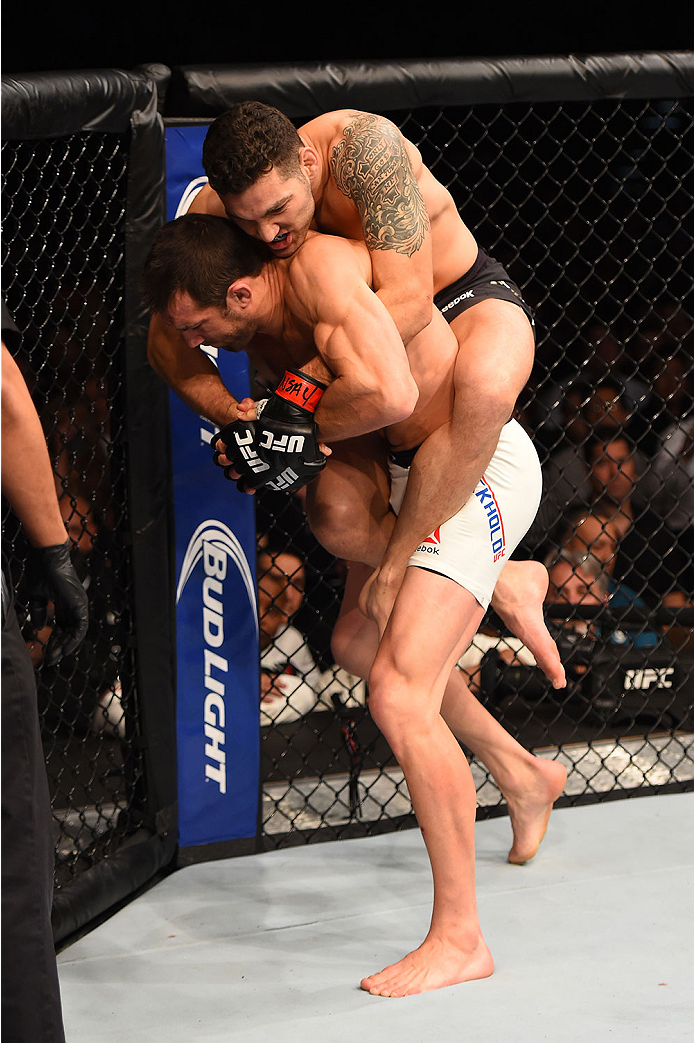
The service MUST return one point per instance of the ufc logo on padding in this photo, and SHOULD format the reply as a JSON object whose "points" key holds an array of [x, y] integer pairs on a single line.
{"points": [[643, 679], [283, 443]]}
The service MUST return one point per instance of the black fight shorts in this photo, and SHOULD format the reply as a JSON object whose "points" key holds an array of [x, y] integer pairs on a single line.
{"points": [[486, 280]]}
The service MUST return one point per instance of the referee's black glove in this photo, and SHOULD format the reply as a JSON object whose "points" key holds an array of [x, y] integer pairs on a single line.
{"points": [[52, 577]]}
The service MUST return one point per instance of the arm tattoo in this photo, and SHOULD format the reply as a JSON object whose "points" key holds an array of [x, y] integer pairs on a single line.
{"points": [[371, 166]]}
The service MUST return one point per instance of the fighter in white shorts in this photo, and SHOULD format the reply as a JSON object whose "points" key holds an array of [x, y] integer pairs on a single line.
{"points": [[473, 546]]}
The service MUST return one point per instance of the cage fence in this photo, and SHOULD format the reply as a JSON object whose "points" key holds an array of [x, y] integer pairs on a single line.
{"points": [[63, 282]]}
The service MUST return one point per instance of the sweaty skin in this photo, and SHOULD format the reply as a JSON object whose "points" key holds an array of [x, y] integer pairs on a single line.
{"points": [[360, 178]]}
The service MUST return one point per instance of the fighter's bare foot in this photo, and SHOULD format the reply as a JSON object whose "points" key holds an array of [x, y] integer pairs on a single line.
{"points": [[518, 599], [530, 812], [434, 965]]}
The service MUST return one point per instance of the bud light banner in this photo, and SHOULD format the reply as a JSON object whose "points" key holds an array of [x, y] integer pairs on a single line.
{"points": [[216, 605]]}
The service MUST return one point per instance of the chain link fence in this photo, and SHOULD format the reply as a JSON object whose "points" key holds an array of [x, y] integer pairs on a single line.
{"points": [[63, 270], [589, 206]]}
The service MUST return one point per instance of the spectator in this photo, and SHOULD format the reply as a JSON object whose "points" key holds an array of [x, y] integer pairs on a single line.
{"points": [[673, 392], [596, 357], [577, 579], [591, 534], [672, 476], [291, 685], [664, 349], [589, 531], [582, 579], [648, 558], [608, 360], [80, 446], [566, 475], [283, 524]]}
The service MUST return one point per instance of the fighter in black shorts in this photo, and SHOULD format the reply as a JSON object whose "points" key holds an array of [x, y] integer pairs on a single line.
{"points": [[486, 280]]}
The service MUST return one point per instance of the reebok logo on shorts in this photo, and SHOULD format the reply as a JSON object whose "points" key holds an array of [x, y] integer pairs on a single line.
{"points": [[487, 499], [466, 296], [432, 543]]}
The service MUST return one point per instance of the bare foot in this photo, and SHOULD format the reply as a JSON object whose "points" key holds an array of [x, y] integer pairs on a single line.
{"points": [[434, 965], [518, 598], [530, 813]]}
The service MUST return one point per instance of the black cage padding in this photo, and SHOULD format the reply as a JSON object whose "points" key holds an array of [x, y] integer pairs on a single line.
{"points": [[55, 104], [302, 90], [147, 419]]}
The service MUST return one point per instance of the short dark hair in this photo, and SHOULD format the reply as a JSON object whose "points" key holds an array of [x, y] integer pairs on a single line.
{"points": [[247, 141], [201, 255]]}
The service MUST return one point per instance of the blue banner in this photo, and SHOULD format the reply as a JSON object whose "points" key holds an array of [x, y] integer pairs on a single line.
{"points": [[216, 604]]}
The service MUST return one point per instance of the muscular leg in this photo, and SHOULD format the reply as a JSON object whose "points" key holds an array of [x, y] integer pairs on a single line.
{"points": [[419, 648], [494, 360], [348, 504], [529, 784]]}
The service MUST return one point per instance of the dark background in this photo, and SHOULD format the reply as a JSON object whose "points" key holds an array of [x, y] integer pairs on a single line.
{"points": [[43, 36]]}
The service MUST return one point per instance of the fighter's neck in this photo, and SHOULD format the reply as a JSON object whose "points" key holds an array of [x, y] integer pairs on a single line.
{"points": [[272, 310]]}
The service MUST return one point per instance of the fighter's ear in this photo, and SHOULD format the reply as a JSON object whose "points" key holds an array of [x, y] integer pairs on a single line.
{"points": [[308, 157], [239, 295]]}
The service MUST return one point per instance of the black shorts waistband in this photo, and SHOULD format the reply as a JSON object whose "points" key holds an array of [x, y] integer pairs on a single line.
{"points": [[404, 457]]}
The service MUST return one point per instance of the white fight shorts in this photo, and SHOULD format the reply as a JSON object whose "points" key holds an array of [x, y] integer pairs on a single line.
{"points": [[473, 546]]}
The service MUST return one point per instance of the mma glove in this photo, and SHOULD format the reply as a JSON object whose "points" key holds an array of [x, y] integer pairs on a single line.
{"points": [[280, 449], [239, 437], [52, 576], [286, 435]]}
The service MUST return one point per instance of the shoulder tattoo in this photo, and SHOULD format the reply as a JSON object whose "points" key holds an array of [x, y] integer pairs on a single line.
{"points": [[371, 166]]}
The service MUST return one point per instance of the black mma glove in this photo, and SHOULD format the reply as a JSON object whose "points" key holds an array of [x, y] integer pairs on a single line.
{"points": [[286, 435], [239, 437], [52, 576]]}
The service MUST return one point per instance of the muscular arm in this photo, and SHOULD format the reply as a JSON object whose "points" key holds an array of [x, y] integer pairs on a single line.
{"points": [[27, 477], [373, 166], [189, 373], [356, 339]]}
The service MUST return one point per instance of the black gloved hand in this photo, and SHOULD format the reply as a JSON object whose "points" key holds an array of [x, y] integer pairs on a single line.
{"points": [[239, 437], [52, 577], [286, 434]]}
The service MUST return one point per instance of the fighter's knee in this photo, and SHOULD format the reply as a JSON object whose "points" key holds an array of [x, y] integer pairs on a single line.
{"points": [[500, 401], [332, 523], [483, 400], [491, 381], [389, 704]]}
